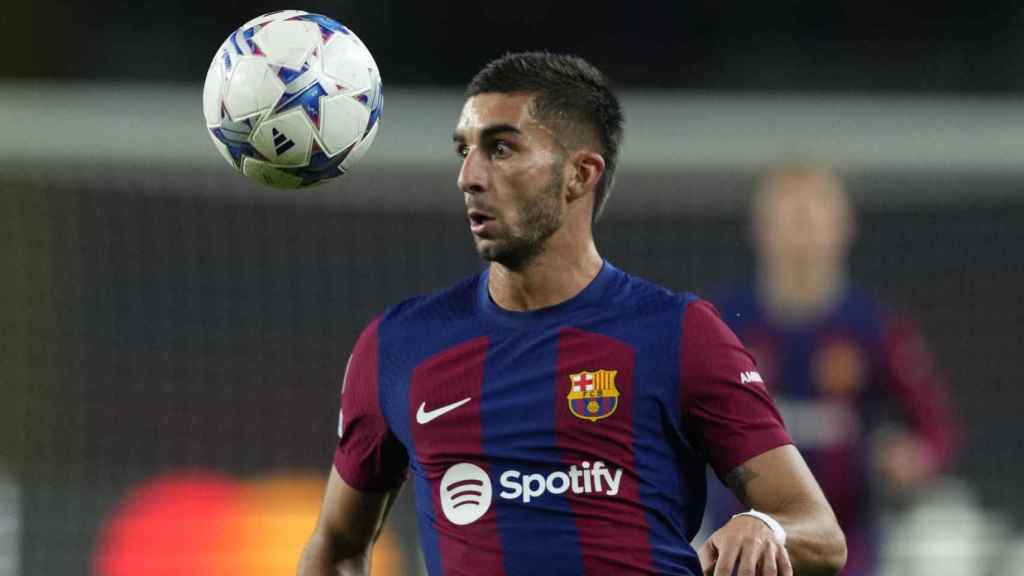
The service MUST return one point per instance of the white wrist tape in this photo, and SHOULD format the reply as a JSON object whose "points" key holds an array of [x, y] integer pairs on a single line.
{"points": [[777, 530]]}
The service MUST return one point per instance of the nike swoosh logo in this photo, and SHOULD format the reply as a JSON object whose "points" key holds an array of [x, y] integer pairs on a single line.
{"points": [[423, 415]]}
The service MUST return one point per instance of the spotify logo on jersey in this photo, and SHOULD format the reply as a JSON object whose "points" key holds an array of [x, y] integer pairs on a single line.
{"points": [[465, 494], [466, 489]]}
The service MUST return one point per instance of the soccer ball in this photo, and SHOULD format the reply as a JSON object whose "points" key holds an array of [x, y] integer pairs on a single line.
{"points": [[292, 99]]}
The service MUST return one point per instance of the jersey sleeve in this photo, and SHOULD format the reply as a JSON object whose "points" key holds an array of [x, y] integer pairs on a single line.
{"points": [[368, 457], [913, 381], [727, 412]]}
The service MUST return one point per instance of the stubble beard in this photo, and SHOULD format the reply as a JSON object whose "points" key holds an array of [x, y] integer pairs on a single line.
{"points": [[540, 219]]}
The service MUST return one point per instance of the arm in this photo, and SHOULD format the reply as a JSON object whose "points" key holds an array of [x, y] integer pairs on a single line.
{"points": [[350, 522], [730, 418], [909, 458], [370, 465], [777, 483]]}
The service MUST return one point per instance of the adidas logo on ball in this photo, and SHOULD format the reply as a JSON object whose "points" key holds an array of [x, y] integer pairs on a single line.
{"points": [[281, 142]]}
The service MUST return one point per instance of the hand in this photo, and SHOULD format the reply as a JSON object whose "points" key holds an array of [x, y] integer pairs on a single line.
{"points": [[747, 545]]}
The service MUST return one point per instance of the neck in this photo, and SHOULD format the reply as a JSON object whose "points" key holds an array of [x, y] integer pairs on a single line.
{"points": [[800, 291], [566, 266]]}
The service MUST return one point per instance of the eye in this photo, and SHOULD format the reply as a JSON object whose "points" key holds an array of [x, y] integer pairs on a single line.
{"points": [[501, 150], [461, 150]]}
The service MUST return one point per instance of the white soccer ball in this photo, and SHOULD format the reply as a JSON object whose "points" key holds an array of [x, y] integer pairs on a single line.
{"points": [[292, 99]]}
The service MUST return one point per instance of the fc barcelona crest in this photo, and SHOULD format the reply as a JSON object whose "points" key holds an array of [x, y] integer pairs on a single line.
{"points": [[593, 395]]}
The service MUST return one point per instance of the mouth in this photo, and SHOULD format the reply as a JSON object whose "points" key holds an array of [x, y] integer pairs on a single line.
{"points": [[478, 221]]}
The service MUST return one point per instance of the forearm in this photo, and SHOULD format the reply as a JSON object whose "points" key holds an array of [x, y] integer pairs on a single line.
{"points": [[778, 483], [815, 544], [321, 557], [350, 522]]}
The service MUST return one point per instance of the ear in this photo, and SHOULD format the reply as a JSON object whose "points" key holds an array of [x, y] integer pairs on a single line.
{"points": [[586, 167]]}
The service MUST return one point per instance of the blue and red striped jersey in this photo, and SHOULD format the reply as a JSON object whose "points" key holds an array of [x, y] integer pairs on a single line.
{"points": [[836, 379], [568, 440]]}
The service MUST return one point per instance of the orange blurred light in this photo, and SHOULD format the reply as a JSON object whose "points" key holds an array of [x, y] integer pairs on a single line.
{"points": [[205, 524], [174, 525]]}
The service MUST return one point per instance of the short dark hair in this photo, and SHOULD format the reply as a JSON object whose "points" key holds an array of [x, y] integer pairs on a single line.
{"points": [[569, 95]]}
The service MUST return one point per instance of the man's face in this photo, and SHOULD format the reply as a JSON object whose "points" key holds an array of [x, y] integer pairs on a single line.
{"points": [[802, 217], [511, 177]]}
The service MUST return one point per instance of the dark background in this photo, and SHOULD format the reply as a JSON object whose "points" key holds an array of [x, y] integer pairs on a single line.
{"points": [[789, 45]]}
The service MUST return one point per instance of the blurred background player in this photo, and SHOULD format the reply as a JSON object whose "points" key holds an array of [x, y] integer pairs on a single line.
{"points": [[854, 382]]}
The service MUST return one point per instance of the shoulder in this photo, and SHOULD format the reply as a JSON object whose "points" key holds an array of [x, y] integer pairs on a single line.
{"points": [[455, 302], [640, 295], [703, 327], [710, 351], [416, 322], [403, 331]]}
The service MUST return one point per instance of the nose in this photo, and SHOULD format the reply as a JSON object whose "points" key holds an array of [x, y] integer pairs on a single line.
{"points": [[473, 174]]}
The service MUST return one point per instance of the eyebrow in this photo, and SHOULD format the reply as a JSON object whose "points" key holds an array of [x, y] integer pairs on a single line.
{"points": [[489, 132]]}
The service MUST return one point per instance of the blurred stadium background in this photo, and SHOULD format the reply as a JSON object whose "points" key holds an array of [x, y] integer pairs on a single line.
{"points": [[174, 336]]}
